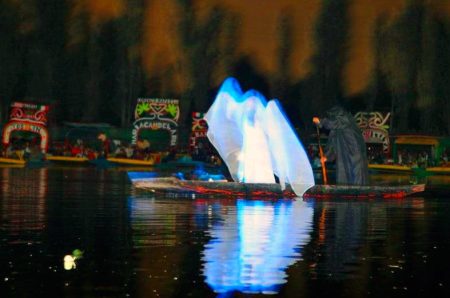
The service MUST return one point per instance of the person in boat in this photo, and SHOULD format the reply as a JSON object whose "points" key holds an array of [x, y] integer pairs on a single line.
{"points": [[105, 145], [345, 146], [171, 156]]}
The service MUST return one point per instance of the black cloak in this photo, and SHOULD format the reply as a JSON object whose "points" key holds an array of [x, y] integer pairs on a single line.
{"points": [[346, 146]]}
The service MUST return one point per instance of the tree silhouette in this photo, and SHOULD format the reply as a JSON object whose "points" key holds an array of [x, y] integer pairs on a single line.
{"points": [[10, 56], [399, 64], [129, 74], [426, 76], [442, 83], [248, 76], [200, 40], [282, 78], [331, 39], [414, 62], [378, 96]]}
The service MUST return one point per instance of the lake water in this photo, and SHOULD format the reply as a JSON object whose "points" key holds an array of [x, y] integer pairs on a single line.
{"points": [[129, 243]]}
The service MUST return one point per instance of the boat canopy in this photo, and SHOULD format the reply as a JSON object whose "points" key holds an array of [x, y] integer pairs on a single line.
{"points": [[256, 140]]}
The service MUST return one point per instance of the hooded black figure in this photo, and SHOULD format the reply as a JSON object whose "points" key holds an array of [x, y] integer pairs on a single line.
{"points": [[346, 146]]}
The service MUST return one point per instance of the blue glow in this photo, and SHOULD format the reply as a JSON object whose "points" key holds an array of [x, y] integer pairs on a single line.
{"points": [[251, 249], [256, 140], [180, 175], [141, 175]]}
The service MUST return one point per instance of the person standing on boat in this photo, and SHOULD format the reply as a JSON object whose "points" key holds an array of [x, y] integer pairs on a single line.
{"points": [[106, 145], [346, 146]]}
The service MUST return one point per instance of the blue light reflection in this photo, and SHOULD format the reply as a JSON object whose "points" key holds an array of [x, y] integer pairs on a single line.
{"points": [[251, 249]]}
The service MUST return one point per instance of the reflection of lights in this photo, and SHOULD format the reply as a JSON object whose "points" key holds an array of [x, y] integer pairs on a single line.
{"points": [[24, 199], [42, 183], [69, 262], [148, 218], [250, 250]]}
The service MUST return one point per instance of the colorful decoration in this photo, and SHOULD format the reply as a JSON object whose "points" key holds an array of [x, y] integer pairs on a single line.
{"points": [[199, 128], [374, 127], [156, 113], [27, 117], [35, 113]]}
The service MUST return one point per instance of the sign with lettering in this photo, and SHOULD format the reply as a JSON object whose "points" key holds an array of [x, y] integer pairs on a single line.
{"points": [[35, 113], [27, 117], [156, 113], [375, 128], [199, 128]]}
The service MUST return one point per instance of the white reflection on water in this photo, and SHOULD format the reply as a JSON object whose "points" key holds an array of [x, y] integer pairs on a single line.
{"points": [[251, 249]]}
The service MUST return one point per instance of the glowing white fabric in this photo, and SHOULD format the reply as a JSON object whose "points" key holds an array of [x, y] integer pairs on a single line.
{"points": [[255, 165], [289, 159], [256, 140]]}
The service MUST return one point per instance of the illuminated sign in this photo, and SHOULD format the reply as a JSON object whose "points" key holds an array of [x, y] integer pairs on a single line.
{"points": [[36, 113], [374, 127], [27, 117], [155, 114], [157, 108], [199, 128]]}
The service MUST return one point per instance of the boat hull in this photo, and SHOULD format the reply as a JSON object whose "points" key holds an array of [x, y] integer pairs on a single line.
{"points": [[224, 188], [130, 161], [67, 159], [439, 170], [12, 161]]}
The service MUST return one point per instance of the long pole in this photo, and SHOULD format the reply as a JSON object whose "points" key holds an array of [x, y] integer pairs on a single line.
{"points": [[322, 161]]}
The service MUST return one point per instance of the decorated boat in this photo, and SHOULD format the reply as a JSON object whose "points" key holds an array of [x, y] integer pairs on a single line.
{"points": [[221, 187], [29, 121], [432, 150], [257, 143]]}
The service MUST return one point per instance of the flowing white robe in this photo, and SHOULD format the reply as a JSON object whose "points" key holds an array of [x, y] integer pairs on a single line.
{"points": [[256, 140]]}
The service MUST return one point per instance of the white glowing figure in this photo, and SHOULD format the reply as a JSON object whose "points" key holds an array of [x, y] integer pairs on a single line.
{"points": [[256, 140], [255, 148]]}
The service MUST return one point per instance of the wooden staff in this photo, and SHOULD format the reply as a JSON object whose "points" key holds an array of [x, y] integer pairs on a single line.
{"points": [[322, 161]]}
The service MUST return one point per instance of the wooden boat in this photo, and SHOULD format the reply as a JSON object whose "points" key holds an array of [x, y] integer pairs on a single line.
{"points": [[130, 161], [68, 159], [226, 188], [12, 161], [382, 168], [364, 191], [390, 168], [400, 169], [21, 163], [438, 170]]}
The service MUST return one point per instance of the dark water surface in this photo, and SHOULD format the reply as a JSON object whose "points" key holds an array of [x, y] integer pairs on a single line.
{"points": [[138, 245]]}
